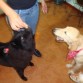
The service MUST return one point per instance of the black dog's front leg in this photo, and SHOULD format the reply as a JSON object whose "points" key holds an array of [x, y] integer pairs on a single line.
{"points": [[20, 71], [31, 64]]}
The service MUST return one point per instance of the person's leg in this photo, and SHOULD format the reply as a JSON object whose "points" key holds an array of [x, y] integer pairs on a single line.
{"points": [[30, 16]]}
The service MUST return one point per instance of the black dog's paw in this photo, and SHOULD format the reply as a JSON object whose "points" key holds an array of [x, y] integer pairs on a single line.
{"points": [[21, 74], [31, 64], [24, 78]]}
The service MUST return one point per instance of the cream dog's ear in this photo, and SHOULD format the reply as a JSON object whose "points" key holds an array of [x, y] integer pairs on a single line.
{"points": [[75, 43], [73, 46]]}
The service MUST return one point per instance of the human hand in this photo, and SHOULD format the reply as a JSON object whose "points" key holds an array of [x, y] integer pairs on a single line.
{"points": [[44, 6], [16, 22]]}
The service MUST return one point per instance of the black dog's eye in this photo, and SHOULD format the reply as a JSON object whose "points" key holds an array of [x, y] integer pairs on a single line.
{"points": [[22, 38]]}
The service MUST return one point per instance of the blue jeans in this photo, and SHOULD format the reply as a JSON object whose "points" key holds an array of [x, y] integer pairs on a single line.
{"points": [[30, 16]]}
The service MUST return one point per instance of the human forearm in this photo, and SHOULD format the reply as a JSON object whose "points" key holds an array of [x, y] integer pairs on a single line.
{"points": [[14, 19], [44, 6], [5, 8]]}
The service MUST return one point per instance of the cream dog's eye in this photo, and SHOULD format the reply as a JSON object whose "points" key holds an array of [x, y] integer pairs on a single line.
{"points": [[65, 32]]}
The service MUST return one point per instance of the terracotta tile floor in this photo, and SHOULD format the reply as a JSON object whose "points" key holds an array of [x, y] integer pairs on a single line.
{"points": [[50, 68]]}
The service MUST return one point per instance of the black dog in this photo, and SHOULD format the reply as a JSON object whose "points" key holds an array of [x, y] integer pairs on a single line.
{"points": [[18, 53]]}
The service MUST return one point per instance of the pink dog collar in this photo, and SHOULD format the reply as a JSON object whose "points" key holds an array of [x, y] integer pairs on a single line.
{"points": [[72, 54], [6, 50]]}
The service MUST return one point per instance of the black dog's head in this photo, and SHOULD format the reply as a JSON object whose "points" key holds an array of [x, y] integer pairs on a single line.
{"points": [[23, 39]]}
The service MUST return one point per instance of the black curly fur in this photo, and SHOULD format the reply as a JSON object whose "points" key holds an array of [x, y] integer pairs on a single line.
{"points": [[21, 49]]}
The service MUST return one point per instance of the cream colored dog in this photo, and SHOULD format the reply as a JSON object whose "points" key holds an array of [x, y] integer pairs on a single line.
{"points": [[74, 40]]}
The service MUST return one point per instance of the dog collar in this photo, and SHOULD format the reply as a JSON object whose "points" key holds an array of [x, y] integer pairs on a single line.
{"points": [[72, 54], [6, 50]]}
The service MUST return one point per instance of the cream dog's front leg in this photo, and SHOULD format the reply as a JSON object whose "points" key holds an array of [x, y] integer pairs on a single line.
{"points": [[75, 68], [70, 65]]}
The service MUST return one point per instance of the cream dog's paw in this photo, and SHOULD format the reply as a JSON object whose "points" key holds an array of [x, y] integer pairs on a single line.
{"points": [[68, 65], [70, 72]]}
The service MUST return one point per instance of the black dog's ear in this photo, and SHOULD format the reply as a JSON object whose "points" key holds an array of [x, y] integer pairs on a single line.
{"points": [[16, 43], [2, 45]]}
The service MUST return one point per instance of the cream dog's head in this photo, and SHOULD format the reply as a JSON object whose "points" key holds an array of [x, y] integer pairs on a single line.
{"points": [[68, 34]]}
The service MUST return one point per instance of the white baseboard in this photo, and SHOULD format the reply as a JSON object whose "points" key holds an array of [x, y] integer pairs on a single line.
{"points": [[75, 4]]}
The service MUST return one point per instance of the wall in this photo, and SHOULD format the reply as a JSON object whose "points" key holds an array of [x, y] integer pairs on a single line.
{"points": [[75, 4]]}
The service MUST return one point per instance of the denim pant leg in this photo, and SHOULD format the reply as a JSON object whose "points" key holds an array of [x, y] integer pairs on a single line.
{"points": [[30, 16]]}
